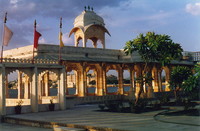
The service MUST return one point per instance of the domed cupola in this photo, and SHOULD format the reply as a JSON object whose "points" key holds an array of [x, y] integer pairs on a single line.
{"points": [[89, 25]]}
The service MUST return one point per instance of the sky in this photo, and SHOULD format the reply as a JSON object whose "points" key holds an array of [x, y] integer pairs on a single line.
{"points": [[125, 20]]}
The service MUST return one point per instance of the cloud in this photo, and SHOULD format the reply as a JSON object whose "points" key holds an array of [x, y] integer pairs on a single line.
{"points": [[21, 10], [22, 13], [42, 40], [128, 15], [67, 40], [193, 9]]}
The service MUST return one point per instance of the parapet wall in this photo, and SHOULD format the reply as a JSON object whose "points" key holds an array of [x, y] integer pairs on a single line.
{"points": [[71, 53], [22, 52]]}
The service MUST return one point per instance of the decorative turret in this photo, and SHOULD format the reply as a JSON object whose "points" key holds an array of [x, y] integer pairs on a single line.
{"points": [[88, 25]]}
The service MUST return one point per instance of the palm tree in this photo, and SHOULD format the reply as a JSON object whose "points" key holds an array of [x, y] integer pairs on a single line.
{"points": [[152, 47]]}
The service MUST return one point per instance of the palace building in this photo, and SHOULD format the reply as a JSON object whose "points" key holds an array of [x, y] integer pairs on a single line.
{"points": [[80, 60]]}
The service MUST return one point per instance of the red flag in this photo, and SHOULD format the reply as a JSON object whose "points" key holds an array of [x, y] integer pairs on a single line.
{"points": [[36, 38]]}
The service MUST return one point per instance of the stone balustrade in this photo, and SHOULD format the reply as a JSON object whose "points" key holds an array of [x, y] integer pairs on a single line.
{"points": [[29, 61]]}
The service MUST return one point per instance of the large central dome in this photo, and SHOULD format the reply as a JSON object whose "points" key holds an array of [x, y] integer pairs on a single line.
{"points": [[89, 26], [87, 18]]}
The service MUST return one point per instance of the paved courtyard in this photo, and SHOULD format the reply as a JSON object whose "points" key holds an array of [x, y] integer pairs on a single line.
{"points": [[89, 115], [14, 127]]}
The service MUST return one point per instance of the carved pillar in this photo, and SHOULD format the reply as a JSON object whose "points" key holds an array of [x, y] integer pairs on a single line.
{"points": [[34, 90], [40, 88], [26, 88], [132, 89], [99, 81], [120, 81], [20, 85], [150, 93], [155, 79], [2, 91], [41, 91], [137, 84], [104, 83], [61, 89], [76, 41], [160, 81], [77, 82], [84, 42], [103, 42], [94, 42], [46, 84], [7, 89], [82, 80], [167, 79], [66, 86]]}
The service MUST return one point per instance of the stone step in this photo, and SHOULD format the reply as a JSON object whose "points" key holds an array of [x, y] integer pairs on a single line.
{"points": [[56, 126], [62, 128]]}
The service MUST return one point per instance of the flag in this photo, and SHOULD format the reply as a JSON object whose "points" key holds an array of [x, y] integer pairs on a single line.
{"points": [[36, 38], [60, 38], [7, 35]]}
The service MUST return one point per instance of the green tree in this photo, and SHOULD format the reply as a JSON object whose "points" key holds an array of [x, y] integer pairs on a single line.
{"points": [[93, 82], [177, 76], [191, 85], [111, 79], [152, 47]]}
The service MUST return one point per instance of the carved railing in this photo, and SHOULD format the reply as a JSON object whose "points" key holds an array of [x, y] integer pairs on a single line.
{"points": [[29, 61]]}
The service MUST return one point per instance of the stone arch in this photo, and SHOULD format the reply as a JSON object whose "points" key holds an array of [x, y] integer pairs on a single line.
{"points": [[75, 29], [126, 81], [47, 85], [92, 31], [95, 33], [91, 82], [167, 77], [22, 85], [112, 82], [79, 68], [99, 27], [78, 35], [72, 82], [138, 72]]}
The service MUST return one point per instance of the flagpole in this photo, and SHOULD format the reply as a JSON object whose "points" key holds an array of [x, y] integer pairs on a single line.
{"points": [[5, 19], [60, 40], [33, 40]]}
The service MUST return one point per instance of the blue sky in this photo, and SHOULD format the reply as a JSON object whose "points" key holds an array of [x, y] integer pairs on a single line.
{"points": [[125, 19]]}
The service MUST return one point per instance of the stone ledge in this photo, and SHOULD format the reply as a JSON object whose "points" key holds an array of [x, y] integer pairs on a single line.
{"points": [[61, 128]]}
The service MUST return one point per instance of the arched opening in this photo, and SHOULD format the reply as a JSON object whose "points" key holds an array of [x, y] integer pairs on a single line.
{"points": [[112, 82], [163, 80], [48, 87], [72, 82], [126, 81], [89, 43], [91, 83], [99, 44], [17, 88], [12, 85], [79, 42]]}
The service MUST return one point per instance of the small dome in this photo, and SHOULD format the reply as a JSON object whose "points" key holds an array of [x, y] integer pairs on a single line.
{"points": [[87, 18]]}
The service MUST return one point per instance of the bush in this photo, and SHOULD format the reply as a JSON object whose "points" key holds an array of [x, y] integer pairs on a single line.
{"points": [[188, 104], [164, 99]]}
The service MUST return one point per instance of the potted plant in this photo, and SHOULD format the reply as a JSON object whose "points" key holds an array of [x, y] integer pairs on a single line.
{"points": [[51, 105], [18, 107]]}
